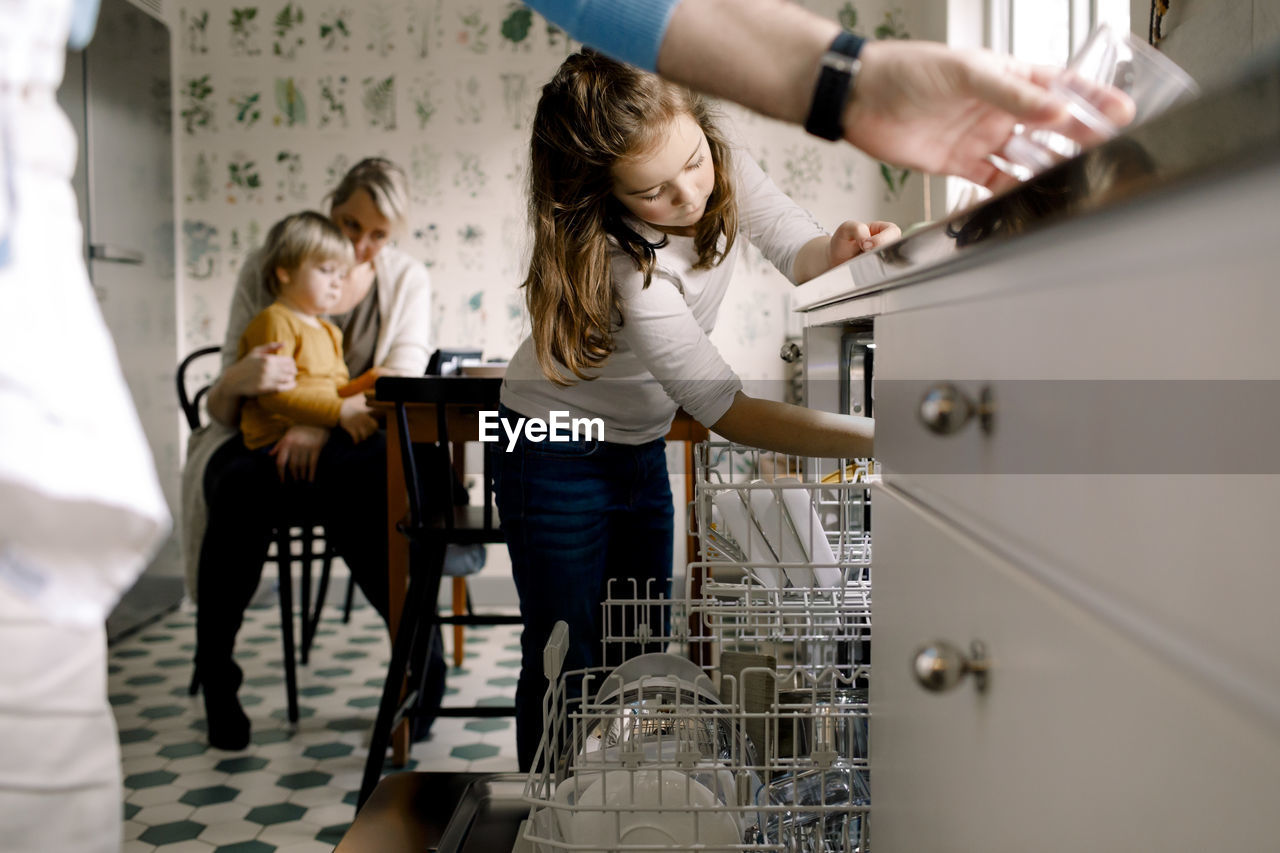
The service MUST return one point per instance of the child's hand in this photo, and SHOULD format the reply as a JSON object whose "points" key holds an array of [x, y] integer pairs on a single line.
{"points": [[298, 452], [853, 238], [356, 419]]}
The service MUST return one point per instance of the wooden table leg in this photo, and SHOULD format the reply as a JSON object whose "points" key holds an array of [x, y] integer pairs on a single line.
{"points": [[459, 609], [397, 569], [699, 650]]}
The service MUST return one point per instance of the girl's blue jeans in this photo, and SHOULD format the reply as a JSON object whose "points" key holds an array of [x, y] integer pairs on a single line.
{"points": [[577, 515]]}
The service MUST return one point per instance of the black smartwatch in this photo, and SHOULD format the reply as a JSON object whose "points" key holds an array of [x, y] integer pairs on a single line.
{"points": [[839, 72]]}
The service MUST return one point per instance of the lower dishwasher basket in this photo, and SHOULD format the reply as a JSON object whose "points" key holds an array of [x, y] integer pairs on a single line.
{"points": [[766, 749]]}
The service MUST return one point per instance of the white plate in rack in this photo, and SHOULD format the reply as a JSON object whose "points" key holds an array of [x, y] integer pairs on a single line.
{"points": [[664, 808], [810, 539], [731, 505]]}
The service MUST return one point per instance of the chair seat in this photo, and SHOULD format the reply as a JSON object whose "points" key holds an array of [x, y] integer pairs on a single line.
{"points": [[469, 527]]}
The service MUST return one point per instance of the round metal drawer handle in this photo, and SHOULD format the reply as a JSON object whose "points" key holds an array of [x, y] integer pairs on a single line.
{"points": [[945, 409], [791, 352], [940, 666]]}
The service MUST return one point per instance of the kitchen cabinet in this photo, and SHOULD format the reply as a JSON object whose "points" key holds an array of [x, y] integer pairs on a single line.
{"points": [[1081, 739], [1101, 523]]}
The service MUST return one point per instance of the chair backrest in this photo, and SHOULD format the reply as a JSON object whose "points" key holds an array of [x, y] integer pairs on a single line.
{"points": [[191, 404], [453, 398]]}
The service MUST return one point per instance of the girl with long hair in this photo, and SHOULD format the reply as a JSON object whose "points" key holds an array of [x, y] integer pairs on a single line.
{"points": [[640, 209]]}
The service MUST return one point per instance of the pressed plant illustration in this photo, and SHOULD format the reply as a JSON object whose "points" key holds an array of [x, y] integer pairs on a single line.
{"points": [[470, 177], [892, 27], [803, 172], [289, 101], [473, 32], [471, 254], [517, 25], [337, 167], [379, 102], [289, 184], [424, 173], [195, 31], [244, 31], [895, 178], [197, 109], [287, 27], [515, 90], [470, 104], [847, 15], [335, 31], [424, 104], [425, 29], [381, 31], [246, 108], [333, 100], [243, 179], [428, 237], [200, 246], [201, 184]]}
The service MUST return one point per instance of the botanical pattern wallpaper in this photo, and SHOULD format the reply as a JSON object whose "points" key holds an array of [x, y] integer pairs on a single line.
{"points": [[276, 98]]}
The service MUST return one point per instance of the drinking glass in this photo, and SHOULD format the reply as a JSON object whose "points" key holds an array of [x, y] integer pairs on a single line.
{"points": [[1113, 81]]}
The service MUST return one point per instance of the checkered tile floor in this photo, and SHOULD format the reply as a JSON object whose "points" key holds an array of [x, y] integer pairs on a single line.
{"points": [[290, 791]]}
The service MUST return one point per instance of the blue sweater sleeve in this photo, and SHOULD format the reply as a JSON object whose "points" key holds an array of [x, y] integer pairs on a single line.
{"points": [[629, 30]]}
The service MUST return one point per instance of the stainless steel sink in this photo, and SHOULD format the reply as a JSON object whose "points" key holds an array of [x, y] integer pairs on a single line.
{"points": [[488, 816]]}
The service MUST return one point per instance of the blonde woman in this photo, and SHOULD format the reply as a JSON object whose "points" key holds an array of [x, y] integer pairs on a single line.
{"points": [[231, 493]]}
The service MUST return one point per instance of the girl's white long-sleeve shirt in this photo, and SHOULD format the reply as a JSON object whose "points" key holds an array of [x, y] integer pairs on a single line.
{"points": [[663, 356]]}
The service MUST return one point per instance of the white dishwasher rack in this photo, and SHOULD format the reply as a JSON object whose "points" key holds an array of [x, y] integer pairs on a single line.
{"points": [[769, 752]]}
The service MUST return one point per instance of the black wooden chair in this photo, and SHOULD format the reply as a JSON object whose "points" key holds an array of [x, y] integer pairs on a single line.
{"points": [[430, 531], [313, 546]]}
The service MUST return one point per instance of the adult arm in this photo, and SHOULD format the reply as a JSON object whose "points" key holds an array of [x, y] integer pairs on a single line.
{"points": [[313, 409], [629, 30], [404, 345], [918, 104], [313, 404], [263, 370]]}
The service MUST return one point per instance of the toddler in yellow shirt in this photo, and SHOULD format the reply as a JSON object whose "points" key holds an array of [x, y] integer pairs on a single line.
{"points": [[306, 260]]}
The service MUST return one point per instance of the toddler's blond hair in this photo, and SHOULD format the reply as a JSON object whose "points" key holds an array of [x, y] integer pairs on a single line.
{"points": [[299, 237]]}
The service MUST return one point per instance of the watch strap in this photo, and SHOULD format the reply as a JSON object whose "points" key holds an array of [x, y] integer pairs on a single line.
{"points": [[839, 71]]}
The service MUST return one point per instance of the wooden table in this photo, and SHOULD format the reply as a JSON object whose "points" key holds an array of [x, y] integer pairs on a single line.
{"points": [[464, 426]]}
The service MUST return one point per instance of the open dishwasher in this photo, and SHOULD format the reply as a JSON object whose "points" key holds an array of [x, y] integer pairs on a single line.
{"points": [[762, 745]]}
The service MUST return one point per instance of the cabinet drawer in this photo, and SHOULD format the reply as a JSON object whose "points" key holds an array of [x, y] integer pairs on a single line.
{"points": [[1081, 739], [1135, 388]]}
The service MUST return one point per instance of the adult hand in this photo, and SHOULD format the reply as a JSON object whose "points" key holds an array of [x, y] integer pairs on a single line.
{"points": [[930, 107], [263, 370], [356, 418], [853, 238], [298, 451]]}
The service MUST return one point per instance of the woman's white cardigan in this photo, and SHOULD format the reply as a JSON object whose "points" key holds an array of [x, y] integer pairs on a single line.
{"points": [[403, 345]]}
